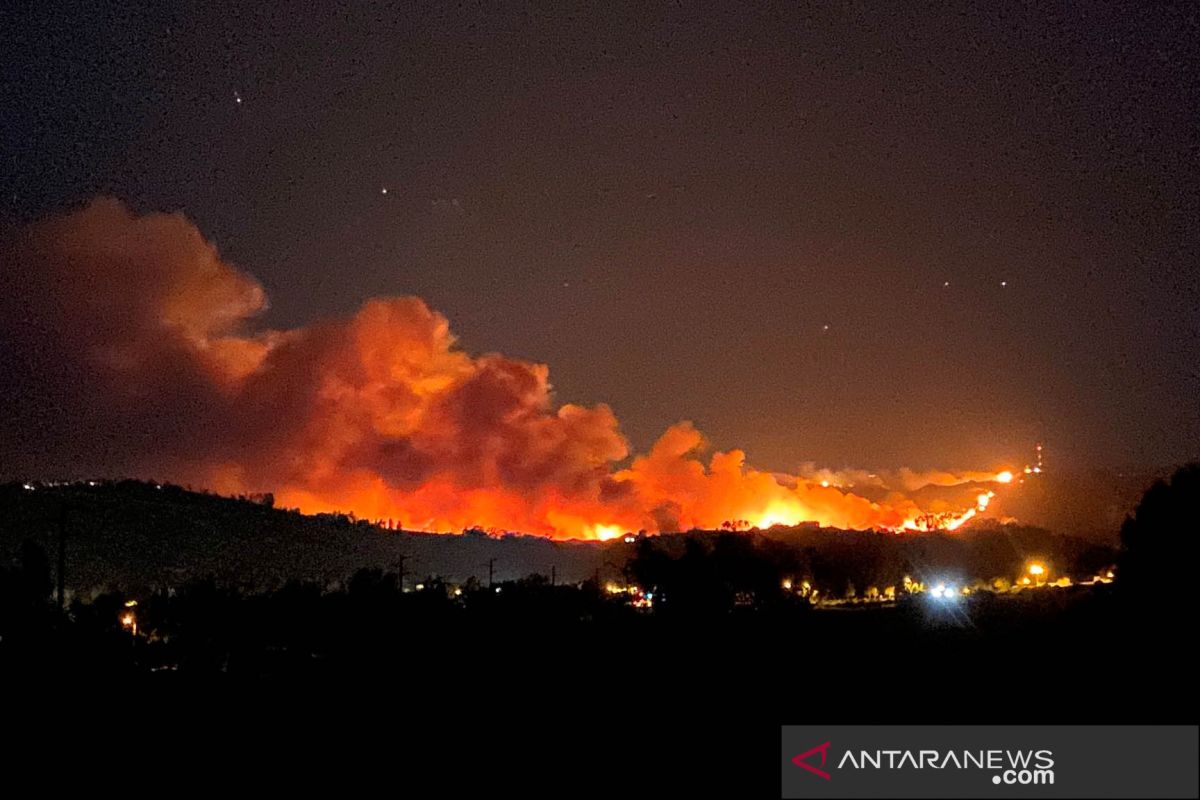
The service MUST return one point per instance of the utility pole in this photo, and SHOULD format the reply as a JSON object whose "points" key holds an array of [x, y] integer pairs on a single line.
{"points": [[62, 559], [553, 574], [491, 571]]}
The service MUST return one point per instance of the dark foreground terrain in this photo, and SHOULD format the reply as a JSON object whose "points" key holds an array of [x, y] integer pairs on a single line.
{"points": [[468, 686]]}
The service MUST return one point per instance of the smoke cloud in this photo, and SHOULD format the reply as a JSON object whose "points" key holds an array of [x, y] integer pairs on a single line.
{"points": [[133, 350]]}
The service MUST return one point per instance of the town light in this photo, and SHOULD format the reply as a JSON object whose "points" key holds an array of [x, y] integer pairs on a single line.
{"points": [[1036, 569]]}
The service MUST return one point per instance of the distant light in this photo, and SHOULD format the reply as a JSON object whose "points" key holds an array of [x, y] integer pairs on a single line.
{"points": [[938, 590], [420, 587], [127, 620], [1025, 581], [1005, 477], [383, 190], [630, 538], [28, 487], [1036, 569], [130, 603], [1003, 283], [825, 484], [1108, 574], [787, 584], [497, 590]]}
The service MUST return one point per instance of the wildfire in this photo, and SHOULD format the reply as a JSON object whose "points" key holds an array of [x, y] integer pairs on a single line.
{"points": [[606, 532], [379, 413]]}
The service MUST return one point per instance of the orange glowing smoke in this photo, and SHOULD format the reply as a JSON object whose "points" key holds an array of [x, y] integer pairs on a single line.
{"points": [[138, 335]]}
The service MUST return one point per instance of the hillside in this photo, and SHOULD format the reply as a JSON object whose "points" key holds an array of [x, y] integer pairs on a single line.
{"points": [[131, 533]]}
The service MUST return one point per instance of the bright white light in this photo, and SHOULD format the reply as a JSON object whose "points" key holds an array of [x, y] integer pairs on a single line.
{"points": [[938, 590]]}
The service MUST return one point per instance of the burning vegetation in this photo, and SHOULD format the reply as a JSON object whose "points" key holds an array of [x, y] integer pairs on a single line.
{"points": [[134, 353]]}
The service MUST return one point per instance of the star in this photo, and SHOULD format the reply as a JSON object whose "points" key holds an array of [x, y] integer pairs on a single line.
{"points": [[383, 190], [825, 328], [946, 284], [237, 97], [1003, 284]]}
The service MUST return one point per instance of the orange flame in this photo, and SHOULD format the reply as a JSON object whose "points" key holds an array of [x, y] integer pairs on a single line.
{"points": [[380, 413]]}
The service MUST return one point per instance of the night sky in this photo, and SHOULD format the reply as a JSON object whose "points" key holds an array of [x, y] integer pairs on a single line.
{"points": [[864, 235]]}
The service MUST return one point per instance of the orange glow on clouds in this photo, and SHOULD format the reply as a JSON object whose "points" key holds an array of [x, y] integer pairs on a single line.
{"points": [[381, 414]]}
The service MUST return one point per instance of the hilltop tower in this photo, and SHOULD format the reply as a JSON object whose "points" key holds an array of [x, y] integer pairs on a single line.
{"points": [[1036, 469]]}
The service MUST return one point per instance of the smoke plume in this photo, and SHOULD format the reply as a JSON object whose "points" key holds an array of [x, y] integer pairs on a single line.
{"points": [[132, 349]]}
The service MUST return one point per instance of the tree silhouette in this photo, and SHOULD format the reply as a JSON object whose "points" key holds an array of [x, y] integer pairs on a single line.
{"points": [[1158, 556]]}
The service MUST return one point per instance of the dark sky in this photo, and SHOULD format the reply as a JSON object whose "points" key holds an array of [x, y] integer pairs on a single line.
{"points": [[747, 218]]}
